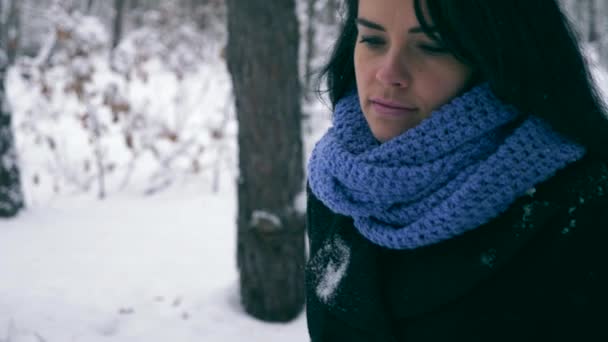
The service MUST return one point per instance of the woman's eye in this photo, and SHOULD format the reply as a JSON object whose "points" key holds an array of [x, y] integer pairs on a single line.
{"points": [[374, 42], [432, 49]]}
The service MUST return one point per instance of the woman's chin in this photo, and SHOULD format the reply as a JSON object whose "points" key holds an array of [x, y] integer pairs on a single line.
{"points": [[383, 136], [385, 130]]}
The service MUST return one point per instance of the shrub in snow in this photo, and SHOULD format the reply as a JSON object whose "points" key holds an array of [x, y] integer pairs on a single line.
{"points": [[154, 111]]}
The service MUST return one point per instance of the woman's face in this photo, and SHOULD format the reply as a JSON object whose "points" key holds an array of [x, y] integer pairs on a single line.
{"points": [[402, 74]]}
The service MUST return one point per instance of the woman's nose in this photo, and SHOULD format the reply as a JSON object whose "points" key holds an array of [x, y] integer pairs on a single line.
{"points": [[393, 72]]}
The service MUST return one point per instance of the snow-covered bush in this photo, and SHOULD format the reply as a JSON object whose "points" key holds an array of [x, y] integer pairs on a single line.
{"points": [[154, 111]]}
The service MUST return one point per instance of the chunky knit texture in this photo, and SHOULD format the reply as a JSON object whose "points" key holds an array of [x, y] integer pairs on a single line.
{"points": [[455, 171]]}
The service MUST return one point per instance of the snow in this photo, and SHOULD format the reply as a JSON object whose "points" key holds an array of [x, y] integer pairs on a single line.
{"points": [[488, 258], [133, 268], [263, 217], [599, 73], [334, 270], [299, 203]]}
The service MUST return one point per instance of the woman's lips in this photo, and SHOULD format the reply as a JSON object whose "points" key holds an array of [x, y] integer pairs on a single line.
{"points": [[390, 108]]}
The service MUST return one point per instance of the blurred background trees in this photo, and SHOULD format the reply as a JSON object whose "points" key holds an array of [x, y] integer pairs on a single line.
{"points": [[590, 18], [11, 196]]}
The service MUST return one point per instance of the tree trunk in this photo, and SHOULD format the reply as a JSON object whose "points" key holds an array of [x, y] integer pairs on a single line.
{"points": [[593, 34], [11, 195], [90, 6], [580, 13], [119, 8], [603, 28], [262, 57], [331, 9], [134, 4], [12, 30], [589, 19], [310, 47]]}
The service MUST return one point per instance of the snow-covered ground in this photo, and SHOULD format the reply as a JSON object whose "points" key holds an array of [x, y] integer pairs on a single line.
{"points": [[132, 268]]}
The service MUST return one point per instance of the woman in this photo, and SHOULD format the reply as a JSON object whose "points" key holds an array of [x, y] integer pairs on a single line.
{"points": [[461, 192]]}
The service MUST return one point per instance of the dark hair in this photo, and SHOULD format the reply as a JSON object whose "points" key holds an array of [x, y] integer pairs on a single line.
{"points": [[525, 49]]}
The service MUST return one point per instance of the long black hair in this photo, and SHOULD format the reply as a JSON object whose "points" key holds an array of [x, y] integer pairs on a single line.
{"points": [[525, 49]]}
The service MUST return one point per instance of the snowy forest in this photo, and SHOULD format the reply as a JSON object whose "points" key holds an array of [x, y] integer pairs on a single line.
{"points": [[151, 186]]}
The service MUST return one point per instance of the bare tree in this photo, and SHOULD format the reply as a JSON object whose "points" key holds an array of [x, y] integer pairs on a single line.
{"points": [[262, 57], [119, 9], [310, 46], [593, 33], [11, 30], [11, 195], [603, 29], [90, 4], [591, 21], [332, 7]]}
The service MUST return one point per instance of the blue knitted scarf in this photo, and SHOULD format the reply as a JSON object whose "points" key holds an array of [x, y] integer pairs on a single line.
{"points": [[455, 171]]}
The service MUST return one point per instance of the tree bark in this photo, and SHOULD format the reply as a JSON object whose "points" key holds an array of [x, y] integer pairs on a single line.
{"points": [[331, 9], [90, 6], [310, 46], [12, 31], [11, 195], [134, 4], [603, 28], [262, 57], [593, 34], [119, 8]]}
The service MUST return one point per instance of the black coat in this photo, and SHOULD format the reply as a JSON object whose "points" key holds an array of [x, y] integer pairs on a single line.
{"points": [[538, 272]]}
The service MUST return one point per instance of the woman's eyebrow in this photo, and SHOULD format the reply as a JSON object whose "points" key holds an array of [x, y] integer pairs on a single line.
{"points": [[375, 26], [370, 24]]}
